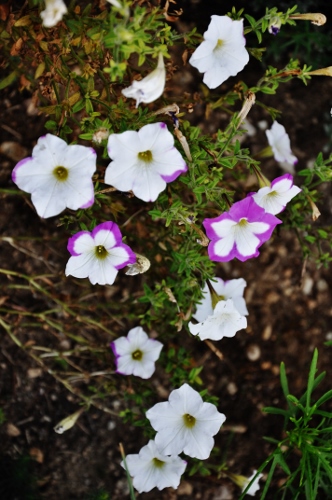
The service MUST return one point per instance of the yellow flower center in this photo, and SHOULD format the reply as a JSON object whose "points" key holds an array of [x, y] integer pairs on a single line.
{"points": [[243, 222], [158, 463], [101, 252], [137, 356], [219, 44], [189, 420], [145, 156], [61, 173]]}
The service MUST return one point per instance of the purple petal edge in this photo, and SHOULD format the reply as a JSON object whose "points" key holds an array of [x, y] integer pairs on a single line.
{"points": [[171, 178], [18, 165], [89, 203], [72, 240], [131, 256], [108, 226]]}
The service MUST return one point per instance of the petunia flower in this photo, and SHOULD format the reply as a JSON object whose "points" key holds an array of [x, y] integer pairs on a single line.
{"points": [[239, 232], [255, 485], [149, 88], [136, 354], [223, 290], [152, 469], [143, 161], [185, 423], [57, 176], [98, 255], [243, 481], [222, 53], [275, 198], [224, 321], [53, 13], [280, 144]]}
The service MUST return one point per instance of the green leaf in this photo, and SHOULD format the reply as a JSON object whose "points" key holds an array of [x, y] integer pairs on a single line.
{"points": [[311, 378], [8, 80]]}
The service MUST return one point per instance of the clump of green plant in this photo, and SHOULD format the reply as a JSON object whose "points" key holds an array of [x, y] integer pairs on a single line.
{"points": [[305, 453]]}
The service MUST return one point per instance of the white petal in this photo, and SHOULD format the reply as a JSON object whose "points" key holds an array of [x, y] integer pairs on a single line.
{"points": [[246, 241], [223, 246]]}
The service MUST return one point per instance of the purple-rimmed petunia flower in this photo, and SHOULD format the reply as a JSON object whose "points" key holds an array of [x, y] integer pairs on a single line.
{"points": [[224, 321], [143, 161], [98, 255], [185, 423], [149, 88], [239, 232], [58, 176], [136, 354], [223, 290], [280, 144], [275, 198], [152, 469], [222, 53]]}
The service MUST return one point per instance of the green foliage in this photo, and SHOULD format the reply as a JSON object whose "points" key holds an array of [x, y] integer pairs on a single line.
{"points": [[305, 454]]}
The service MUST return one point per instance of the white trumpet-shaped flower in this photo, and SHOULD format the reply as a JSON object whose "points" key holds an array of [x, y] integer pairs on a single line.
{"points": [[53, 13], [143, 161], [149, 88], [222, 53], [185, 423], [225, 321], [152, 469], [231, 289], [280, 144], [136, 354], [57, 176]]}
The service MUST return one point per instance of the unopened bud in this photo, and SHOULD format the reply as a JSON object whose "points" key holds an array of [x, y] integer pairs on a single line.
{"points": [[317, 19], [68, 422], [321, 72], [274, 25]]}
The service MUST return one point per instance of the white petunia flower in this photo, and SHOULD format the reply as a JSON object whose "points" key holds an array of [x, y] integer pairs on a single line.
{"points": [[255, 485], [149, 88], [232, 289], [151, 469], [185, 423], [275, 198], [136, 354], [53, 13], [57, 176], [98, 255], [143, 161], [225, 321], [280, 143], [243, 481], [222, 53]]}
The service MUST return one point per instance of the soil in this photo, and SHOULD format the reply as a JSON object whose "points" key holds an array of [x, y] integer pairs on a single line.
{"points": [[290, 314]]}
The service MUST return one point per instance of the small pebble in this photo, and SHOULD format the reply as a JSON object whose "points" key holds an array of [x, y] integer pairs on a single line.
{"points": [[253, 352], [307, 285]]}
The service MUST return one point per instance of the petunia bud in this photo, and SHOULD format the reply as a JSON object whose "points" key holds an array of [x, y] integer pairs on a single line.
{"points": [[274, 25], [149, 88], [68, 422], [321, 72], [317, 18]]}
